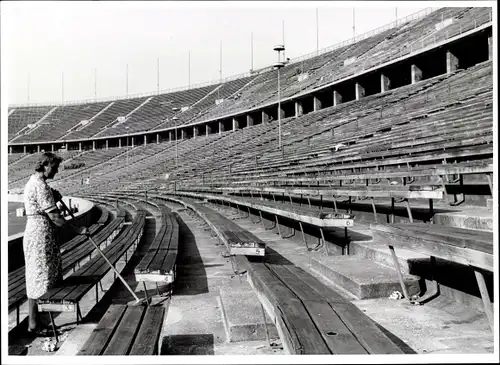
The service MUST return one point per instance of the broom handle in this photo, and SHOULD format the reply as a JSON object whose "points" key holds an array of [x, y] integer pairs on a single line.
{"points": [[103, 255]]}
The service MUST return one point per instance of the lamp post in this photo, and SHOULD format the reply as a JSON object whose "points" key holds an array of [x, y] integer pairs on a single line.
{"points": [[278, 65], [176, 154], [127, 147]]}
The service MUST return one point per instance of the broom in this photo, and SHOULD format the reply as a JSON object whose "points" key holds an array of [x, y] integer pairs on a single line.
{"points": [[138, 301]]}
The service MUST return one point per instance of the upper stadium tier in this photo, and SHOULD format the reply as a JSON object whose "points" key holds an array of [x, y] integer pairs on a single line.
{"points": [[247, 94]]}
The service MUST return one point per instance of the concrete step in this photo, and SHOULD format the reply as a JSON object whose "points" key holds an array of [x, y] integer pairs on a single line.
{"points": [[362, 277], [76, 339], [244, 316], [479, 218], [489, 204], [378, 252]]}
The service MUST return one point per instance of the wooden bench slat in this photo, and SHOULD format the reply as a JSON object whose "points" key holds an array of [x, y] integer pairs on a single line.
{"points": [[89, 274], [304, 335], [335, 333], [156, 263], [297, 286], [432, 245], [97, 269], [328, 294], [146, 342], [124, 335], [69, 258], [476, 240], [101, 335], [366, 331]]}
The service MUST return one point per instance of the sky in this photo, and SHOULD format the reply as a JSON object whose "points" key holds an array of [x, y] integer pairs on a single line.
{"points": [[86, 46]]}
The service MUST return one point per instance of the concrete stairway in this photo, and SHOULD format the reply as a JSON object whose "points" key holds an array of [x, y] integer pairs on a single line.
{"points": [[244, 315], [361, 277], [480, 218]]}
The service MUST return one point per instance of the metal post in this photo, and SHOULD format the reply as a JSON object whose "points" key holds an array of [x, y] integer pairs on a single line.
{"points": [[400, 275], [62, 87], [317, 34], [28, 88], [95, 83], [158, 75], [353, 23], [251, 51], [279, 111], [488, 307]]}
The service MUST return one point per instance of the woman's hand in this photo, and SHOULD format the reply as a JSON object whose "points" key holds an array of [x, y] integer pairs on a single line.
{"points": [[57, 195]]}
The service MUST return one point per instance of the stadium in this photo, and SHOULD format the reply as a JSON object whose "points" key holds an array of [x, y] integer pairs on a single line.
{"points": [[339, 203]]}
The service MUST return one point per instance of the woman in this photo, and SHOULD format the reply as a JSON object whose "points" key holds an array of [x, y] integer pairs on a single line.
{"points": [[41, 252]]}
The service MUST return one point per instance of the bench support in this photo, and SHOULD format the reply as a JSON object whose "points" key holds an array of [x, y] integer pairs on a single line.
{"points": [[392, 211], [78, 314], [278, 226], [490, 183], [291, 234], [53, 326], [146, 291], [374, 211], [436, 290], [346, 241], [262, 220], [303, 235], [400, 275], [431, 211], [488, 307], [410, 216]]}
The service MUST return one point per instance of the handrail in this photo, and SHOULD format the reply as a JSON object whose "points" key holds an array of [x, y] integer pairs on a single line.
{"points": [[411, 17]]}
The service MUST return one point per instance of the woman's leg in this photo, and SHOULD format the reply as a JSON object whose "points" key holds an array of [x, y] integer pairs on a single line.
{"points": [[33, 314]]}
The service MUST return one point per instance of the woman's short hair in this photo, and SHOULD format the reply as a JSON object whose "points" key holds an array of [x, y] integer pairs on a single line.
{"points": [[46, 159]]}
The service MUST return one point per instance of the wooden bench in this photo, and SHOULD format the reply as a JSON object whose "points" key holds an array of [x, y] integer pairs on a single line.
{"points": [[300, 214], [72, 252], [237, 240], [311, 318], [79, 239], [158, 264], [126, 330], [467, 247], [66, 296], [402, 193]]}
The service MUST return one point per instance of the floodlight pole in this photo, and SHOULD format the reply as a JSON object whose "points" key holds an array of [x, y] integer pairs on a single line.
{"points": [[126, 80], [62, 88], [220, 70], [279, 111], [176, 153], [353, 23], [251, 51], [279, 48], [317, 32], [127, 147], [158, 75], [28, 88]]}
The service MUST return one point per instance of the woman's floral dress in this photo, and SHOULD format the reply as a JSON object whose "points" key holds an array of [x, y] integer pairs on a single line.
{"points": [[41, 253]]}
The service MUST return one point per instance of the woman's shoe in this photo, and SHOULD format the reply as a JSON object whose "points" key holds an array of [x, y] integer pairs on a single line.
{"points": [[41, 332]]}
